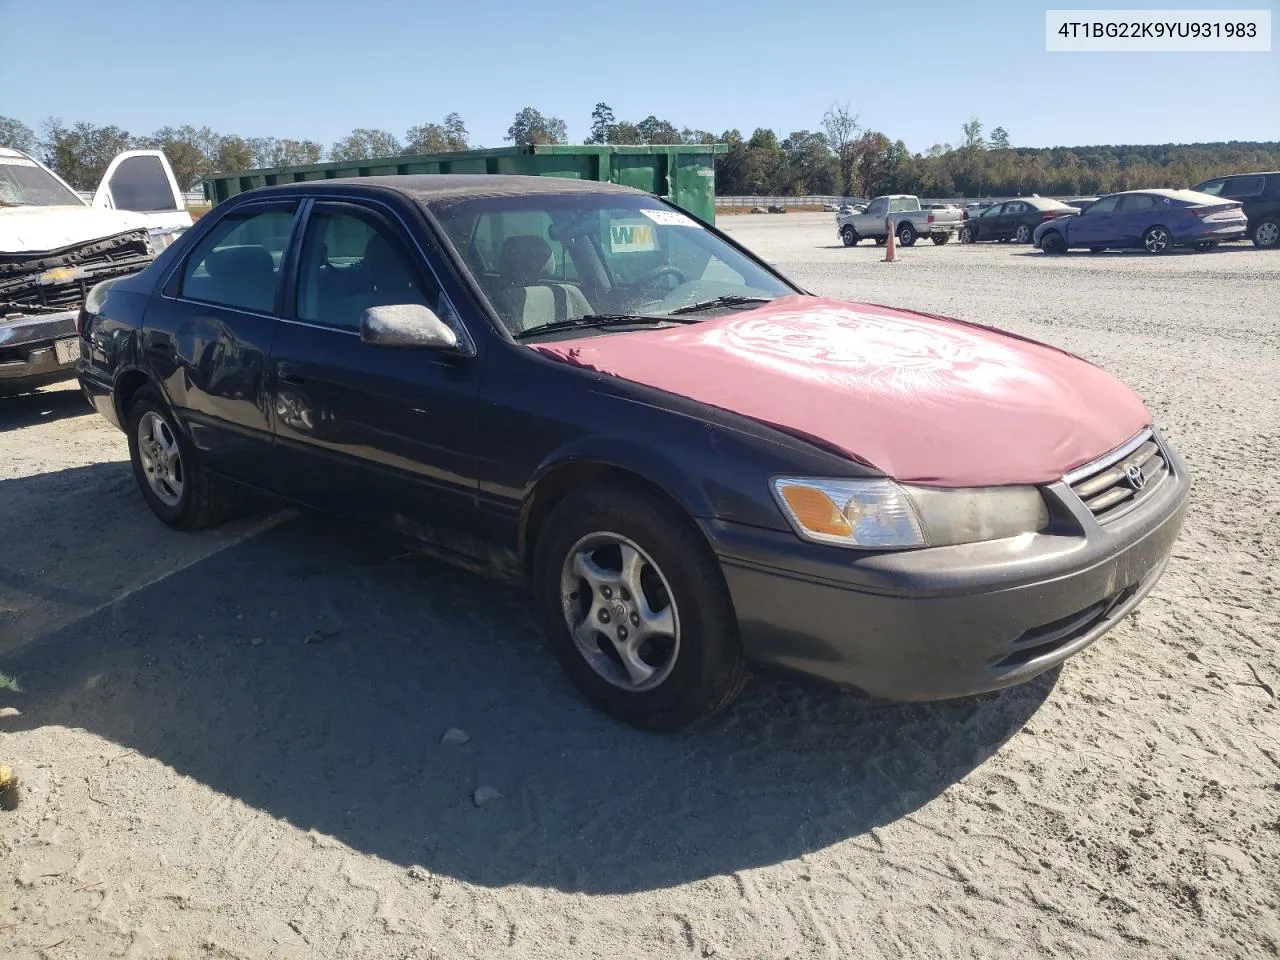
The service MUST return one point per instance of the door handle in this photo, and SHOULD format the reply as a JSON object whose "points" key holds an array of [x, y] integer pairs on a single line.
{"points": [[291, 372]]}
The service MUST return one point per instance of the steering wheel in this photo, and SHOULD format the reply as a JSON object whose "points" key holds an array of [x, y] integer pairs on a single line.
{"points": [[651, 277]]}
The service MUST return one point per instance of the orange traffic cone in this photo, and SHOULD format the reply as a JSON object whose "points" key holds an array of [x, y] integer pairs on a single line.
{"points": [[889, 254]]}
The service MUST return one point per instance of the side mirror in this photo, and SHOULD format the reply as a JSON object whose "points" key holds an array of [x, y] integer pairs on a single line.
{"points": [[406, 325]]}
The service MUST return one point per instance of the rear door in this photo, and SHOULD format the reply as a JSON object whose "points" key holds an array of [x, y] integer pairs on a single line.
{"points": [[1013, 214], [1137, 212], [382, 434], [209, 335], [1096, 226]]}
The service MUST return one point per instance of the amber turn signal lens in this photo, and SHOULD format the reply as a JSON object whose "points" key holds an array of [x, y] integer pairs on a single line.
{"points": [[816, 512]]}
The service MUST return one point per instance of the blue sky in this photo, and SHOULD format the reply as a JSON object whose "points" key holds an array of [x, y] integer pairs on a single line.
{"points": [[318, 69]]}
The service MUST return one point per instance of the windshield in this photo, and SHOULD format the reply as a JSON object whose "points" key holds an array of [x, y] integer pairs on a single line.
{"points": [[544, 260], [23, 182]]}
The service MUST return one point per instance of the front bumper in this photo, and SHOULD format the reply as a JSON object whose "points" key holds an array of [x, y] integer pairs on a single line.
{"points": [[947, 621], [28, 355]]}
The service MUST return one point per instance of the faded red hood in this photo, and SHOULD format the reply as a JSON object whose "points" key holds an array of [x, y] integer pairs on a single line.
{"points": [[921, 398]]}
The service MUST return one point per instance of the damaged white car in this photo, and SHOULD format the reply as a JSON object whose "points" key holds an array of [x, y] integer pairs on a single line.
{"points": [[54, 247]]}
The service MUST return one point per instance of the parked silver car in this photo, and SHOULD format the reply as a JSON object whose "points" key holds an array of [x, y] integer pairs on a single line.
{"points": [[910, 221]]}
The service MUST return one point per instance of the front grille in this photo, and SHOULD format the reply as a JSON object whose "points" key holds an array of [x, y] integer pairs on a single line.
{"points": [[33, 283], [1118, 482]]}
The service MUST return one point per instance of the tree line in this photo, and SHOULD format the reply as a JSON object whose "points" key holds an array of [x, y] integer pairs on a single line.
{"points": [[838, 156]]}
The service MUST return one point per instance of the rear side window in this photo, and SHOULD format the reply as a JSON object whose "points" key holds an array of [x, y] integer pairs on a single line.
{"points": [[238, 263], [1243, 188], [1213, 187], [1138, 203], [140, 184], [351, 262]]}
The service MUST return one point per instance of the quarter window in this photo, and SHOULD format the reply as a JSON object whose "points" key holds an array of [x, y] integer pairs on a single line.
{"points": [[1213, 187], [350, 263], [238, 263]]}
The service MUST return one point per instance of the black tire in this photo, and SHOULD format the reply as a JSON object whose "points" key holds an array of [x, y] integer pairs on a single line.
{"points": [[907, 235], [205, 500], [1157, 240], [966, 235], [708, 671], [1265, 234], [880, 241], [849, 236], [1052, 242], [940, 238], [1023, 234]]}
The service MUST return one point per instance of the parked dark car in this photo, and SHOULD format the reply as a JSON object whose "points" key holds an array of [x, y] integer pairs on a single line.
{"points": [[1260, 194], [692, 464], [1014, 220], [1153, 220]]}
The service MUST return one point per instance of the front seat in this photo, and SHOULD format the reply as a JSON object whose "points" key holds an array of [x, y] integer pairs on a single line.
{"points": [[531, 296]]}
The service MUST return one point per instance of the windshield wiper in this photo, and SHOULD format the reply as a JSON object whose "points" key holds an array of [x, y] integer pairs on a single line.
{"points": [[598, 320], [732, 300]]}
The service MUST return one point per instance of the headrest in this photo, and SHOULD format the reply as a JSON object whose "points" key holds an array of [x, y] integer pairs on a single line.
{"points": [[234, 263], [525, 259]]}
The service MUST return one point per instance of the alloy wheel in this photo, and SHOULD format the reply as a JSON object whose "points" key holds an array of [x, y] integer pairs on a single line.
{"points": [[620, 611], [1268, 234], [161, 459], [1156, 240], [1024, 233]]}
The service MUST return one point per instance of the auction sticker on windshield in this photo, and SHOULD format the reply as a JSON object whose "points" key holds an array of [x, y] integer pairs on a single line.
{"points": [[17, 161], [632, 238], [669, 218]]}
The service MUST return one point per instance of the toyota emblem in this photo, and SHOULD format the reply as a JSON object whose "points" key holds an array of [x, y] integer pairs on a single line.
{"points": [[1137, 479]]}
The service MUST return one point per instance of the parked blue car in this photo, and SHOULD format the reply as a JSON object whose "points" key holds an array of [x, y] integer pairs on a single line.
{"points": [[1153, 220]]}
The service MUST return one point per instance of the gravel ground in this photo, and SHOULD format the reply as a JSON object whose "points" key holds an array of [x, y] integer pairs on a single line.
{"points": [[229, 742]]}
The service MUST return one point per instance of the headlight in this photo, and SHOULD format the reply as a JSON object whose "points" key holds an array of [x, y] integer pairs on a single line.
{"points": [[884, 515]]}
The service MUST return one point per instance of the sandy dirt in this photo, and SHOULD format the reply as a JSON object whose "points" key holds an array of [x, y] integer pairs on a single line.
{"points": [[229, 742]]}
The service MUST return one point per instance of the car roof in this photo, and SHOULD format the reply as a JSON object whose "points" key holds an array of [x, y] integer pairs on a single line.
{"points": [[432, 187]]}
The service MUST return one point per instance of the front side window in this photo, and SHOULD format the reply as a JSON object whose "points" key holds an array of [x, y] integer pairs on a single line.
{"points": [[352, 261], [878, 208], [993, 210], [543, 259], [141, 184], [237, 264], [1103, 207]]}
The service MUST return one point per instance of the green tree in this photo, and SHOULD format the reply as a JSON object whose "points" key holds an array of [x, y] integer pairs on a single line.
{"points": [[624, 132], [17, 135], [602, 121], [446, 137], [80, 153], [653, 130], [841, 126], [999, 139], [531, 127], [810, 166], [366, 144], [234, 153]]}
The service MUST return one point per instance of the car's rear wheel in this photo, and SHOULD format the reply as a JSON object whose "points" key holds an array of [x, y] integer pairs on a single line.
{"points": [[636, 608], [940, 238], [1266, 235], [1052, 242], [1157, 240], [966, 235], [849, 236], [907, 235], [177, 488], [1024, 234]]}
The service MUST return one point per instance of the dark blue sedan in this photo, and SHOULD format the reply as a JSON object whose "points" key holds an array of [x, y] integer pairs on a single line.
{"points": [[1153, 220]]}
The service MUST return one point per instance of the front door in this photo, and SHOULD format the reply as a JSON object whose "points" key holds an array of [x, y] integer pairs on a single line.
{"points": [[208, 337], [1096, 226], [987, 226], [382, 434]]}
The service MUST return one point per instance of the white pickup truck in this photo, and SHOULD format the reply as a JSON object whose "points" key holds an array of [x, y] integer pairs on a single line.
{"points": [[910, 222], [54, 246]]}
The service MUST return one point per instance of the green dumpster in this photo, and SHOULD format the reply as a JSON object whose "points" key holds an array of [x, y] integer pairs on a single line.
{"points": [[682, 173]]}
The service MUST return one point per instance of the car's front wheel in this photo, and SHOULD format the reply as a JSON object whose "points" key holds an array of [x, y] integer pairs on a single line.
{"points": [[177, 488], [849, 236], [1052, 242], [636, 608], [1266, 235], [966, 235]]}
